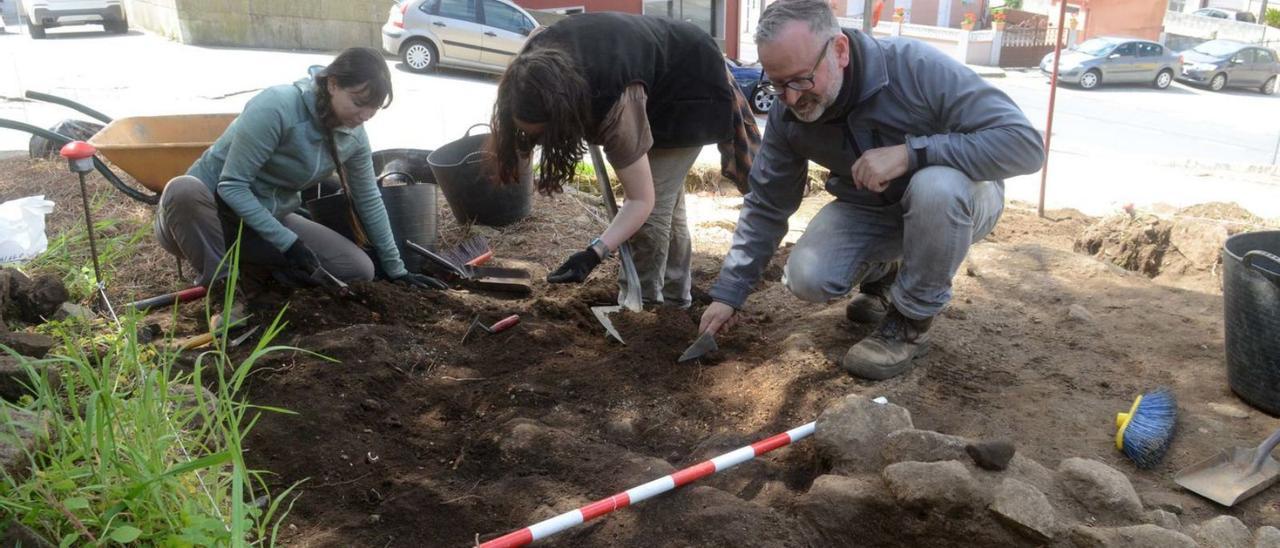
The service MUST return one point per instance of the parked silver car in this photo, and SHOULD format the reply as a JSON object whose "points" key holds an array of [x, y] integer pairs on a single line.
{"points": [[1221, 63], [1115, 60], [480, 35]]}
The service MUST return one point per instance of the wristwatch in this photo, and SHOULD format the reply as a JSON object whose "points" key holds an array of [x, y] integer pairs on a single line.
{"points": [[600, 248]]}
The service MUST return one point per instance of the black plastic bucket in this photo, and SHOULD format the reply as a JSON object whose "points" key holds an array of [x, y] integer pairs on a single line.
{"points": [[461, 167], [411, 204], [1251, 306]]}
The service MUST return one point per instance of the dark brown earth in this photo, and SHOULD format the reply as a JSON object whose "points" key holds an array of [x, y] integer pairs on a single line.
{"points": [[406, 437]]}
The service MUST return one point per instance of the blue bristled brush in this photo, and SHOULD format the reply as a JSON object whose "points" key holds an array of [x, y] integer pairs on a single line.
{"points": [[1144, 433]]}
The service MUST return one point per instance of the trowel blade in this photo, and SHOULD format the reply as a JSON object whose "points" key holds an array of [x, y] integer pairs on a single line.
{"points": [[602, 315], [705, 344]]}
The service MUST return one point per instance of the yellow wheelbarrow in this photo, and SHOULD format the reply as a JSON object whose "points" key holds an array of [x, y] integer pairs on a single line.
{"points": [[151, 149]]}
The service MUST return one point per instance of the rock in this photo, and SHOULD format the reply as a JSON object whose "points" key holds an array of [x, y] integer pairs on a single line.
{"points": [[1164, 519], [1266, 537], [1228, 410], [1079, 313], [1224, 532], [32, 431], [1025, 509], [927, 485], [1100, 488], [14, 378], [28, 344], [1199, 241], [13, 533], [74, 311], [1164, 500], [851, 432], [40, 299], [923, 446], [624, 428], [841, 510], [1137, 536], [991, 455]]}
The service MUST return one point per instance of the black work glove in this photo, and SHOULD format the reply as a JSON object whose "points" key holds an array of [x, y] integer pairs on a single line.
{"points": [[419, 281], [302, 258], [576, 268]]}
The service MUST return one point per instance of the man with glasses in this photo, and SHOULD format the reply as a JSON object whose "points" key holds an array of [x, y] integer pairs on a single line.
{"points": [[917, 145]]}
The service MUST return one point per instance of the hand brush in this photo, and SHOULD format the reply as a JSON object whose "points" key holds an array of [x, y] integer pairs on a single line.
{"points": [[473, 251], [1144, 433]]}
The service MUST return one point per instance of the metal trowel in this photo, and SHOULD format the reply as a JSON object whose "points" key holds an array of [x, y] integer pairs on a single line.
{"points": [[1234, 474], [602, 315], [706, 343]]}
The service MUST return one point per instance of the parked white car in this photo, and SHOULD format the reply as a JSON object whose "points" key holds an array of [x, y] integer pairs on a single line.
{"points": [[481, 35], [47, 14]]}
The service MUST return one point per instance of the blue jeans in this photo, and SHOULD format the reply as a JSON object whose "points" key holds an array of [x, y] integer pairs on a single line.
{"points": [[942, 213]]}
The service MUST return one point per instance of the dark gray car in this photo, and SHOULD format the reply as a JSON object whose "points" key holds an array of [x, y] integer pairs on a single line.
{"points": [[1114, 60], [1218, 64]]}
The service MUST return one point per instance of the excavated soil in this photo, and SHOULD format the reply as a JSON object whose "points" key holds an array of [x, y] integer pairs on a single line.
{"points": [[403, 436]]}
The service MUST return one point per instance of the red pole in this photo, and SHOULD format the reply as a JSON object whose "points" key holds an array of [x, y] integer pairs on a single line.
{"points": [[1053, 96]]}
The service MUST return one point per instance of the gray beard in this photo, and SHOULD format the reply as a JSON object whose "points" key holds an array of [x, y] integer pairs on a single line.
{"points": [[814, 112]]}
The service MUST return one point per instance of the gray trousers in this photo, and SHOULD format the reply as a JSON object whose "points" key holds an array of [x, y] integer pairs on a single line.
{"points": [[187, 226], [930, 230], [662, 249]]}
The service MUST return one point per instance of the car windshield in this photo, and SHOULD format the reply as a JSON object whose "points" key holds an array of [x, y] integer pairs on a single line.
{"points": [[1095, 46], [1217, 48]]}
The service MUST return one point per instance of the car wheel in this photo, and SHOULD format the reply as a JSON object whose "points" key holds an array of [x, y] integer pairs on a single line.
{"points": [[420, 56], [37, 31], [1218, 82], [1090, 80], [761, 101], [119, 26], [1164, 79], [1269, 88]]}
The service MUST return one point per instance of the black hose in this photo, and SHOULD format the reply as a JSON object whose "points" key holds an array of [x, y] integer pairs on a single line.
{"points": [[69, 104], [102, 168]]}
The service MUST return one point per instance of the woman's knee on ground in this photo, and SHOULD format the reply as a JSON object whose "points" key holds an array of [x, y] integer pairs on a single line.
{"points": [[185, 193]]}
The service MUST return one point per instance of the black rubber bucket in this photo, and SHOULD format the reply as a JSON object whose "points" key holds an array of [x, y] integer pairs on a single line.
{"points": [[408, 192], [461, 167], [1251, 305]]}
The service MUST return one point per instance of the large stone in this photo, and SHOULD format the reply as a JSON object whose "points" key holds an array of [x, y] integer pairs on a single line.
{"points": [[38, 300], [15, 381], [1224, 532], [72, 310], [1266, 537], [913, 445], [991, 455], [28, 344], [1025, 509], [843, 510], [1137, 536], [31, 431], [943, 485], [851, 433], [1164, 519], [1100, 488]]}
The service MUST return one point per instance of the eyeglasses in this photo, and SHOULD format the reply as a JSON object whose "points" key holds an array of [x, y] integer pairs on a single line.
{"points": [[799, 83]]}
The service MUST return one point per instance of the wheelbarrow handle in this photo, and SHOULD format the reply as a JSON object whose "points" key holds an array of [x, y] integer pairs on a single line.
{"points": [[102, 168], [1264, 451], [69, 104]]}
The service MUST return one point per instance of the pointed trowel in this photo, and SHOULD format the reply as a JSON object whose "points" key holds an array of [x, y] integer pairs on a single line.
{"points": [[705, 344]]}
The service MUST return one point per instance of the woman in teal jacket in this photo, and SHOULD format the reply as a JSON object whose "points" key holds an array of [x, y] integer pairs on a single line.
{"points": [[288, 139]]}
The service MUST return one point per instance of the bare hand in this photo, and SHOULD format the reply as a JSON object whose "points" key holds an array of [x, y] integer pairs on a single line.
{"points": [[878, 167], [717, 317]]}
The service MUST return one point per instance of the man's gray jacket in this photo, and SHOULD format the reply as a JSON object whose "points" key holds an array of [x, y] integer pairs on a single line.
{"points": [[905, 91]]}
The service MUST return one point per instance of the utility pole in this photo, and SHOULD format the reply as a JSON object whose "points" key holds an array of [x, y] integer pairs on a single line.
{"points": [[867, 6], [1262, 14]]}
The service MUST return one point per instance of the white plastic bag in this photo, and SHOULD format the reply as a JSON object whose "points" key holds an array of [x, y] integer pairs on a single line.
{"points": [[22, 228]]}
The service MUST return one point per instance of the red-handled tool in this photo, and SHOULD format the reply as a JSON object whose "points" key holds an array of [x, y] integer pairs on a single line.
{"points": [[502, 325], [188, 294]]}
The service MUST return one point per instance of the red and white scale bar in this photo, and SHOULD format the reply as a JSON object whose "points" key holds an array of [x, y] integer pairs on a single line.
{"points": [[544, 529]]}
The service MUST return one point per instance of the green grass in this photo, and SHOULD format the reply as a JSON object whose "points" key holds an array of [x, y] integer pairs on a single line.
{"points": [[69, 255], [127, 459]]}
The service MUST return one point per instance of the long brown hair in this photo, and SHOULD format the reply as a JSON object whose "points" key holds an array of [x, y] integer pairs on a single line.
{"points": [[542, 86], [352, 68]]}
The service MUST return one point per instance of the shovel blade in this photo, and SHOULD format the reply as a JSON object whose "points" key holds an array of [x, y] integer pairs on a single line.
{"points": [[1225, 478], [705, 343], [602, 315]]}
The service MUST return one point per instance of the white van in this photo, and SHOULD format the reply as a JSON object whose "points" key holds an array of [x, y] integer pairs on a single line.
{"points": [[45, 14]]}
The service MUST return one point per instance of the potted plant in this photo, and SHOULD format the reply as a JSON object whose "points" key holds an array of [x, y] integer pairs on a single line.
{"points": [[899, 14], [968, 21], [997, 20]]}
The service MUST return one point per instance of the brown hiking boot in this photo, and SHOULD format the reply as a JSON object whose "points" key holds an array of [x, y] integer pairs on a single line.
{"points": [[873, 300], [889, 351]]}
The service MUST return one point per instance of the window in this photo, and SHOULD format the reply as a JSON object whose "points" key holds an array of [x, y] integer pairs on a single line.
{"points": [[464, 10], [1150, 50], [1264, 56], [1129, 49], [502, 16], [1177, 5], [707, 15]]}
